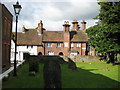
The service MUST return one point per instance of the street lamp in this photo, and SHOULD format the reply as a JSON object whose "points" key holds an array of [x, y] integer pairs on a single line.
{"points": [[17, 9]]}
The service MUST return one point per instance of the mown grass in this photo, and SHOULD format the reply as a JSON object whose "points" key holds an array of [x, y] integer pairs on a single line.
{"points": [[88, 75]]}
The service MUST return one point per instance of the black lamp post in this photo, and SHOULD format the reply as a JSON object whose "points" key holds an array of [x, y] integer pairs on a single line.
{"points": [[17, 9]]}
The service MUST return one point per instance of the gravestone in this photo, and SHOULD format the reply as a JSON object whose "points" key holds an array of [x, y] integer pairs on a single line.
{"points": [[52, 74]]}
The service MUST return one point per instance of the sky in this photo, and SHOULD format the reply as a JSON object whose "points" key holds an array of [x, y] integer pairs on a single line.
{"points": [[53, 13]]}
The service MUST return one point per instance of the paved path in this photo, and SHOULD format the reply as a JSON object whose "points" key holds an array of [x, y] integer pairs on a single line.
{"points": [[5, 74]]}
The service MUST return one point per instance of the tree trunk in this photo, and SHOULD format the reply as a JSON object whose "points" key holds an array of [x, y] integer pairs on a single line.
{"points": [[111, 58]]}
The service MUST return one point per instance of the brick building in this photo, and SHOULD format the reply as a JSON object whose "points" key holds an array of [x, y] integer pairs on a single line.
{"points": [[6, 30], [69, 41]]}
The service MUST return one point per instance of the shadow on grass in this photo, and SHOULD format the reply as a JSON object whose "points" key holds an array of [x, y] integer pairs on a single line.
{"points": [[80, 78], [85, 79]]}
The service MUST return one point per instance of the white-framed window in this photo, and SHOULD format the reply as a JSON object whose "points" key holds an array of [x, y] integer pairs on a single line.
{"points": [[78, 45], [74, 53], [28, 47], [49, 44], [72, 45], [50, 53], [58, 45], [65, 44]]}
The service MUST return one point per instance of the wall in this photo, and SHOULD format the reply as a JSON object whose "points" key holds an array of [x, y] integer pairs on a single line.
{"points": [[65, 50], [54, 49], [6, 36], [32, 50], [0, 39]]}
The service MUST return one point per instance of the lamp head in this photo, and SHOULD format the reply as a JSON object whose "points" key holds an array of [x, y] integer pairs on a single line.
{"points": [[17, 8]]}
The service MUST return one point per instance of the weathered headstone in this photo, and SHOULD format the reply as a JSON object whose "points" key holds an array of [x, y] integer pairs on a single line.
{"points": [[52, 74]]}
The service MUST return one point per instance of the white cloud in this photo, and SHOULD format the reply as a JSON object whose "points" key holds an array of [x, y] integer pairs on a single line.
{"points": [[53, 13]]}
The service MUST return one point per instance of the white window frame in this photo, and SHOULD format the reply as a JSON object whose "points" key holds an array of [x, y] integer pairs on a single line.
{"points": [[66, 44], [72, 45], [78, 45], [50, 53], [74, 53], [58, 45], [49, 45]]}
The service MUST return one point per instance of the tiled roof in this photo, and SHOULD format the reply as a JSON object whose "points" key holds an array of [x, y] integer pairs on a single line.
{"points": [[78, 36], [57, 36], [30, 37], [53, 36]]}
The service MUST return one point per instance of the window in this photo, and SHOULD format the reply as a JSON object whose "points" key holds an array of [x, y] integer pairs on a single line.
{"points": [[78, 45], [49, 44], [28, 47], [65, 44], [58, 45], [73, 53], [72, 45], [50, 53]]}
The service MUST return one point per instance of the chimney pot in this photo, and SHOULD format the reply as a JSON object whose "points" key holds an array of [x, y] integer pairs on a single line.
{"points": [[66, 26], [40, 27], [83, 25], [75, 25], [23, 29]]}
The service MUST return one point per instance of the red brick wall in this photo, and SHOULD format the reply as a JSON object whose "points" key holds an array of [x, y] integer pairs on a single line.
{"points": [[66, 41], [6, 36], [65, 50]]}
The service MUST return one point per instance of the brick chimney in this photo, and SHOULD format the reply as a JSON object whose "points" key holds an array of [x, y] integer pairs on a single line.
{"points": [[66, 37], [75, 25], [23, 29], [40, 28], [83, 25], [66, 26]]}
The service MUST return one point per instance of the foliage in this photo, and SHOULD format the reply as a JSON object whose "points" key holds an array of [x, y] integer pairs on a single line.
{"points": [[105, 36], [33, 66]]}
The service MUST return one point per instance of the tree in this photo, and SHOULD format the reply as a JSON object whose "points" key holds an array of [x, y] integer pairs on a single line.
{"points": [[105, 36]]}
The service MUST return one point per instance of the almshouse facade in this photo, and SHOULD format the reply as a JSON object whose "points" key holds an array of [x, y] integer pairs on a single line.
{"points": [[69, 41]]}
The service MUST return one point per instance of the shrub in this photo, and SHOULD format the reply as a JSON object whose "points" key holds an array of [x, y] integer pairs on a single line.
{"points": [[33, 66]]}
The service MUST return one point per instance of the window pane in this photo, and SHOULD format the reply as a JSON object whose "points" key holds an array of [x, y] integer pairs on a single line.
{"points": [[49, 45], [72, 44], [50, 53], [58, 45], [78, 45]]}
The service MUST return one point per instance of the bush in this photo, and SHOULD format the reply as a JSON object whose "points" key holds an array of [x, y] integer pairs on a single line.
{"points": [[33, 66]]}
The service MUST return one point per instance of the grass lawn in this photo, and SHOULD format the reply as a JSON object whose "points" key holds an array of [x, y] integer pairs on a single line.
{"points": [[88, 75]]}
